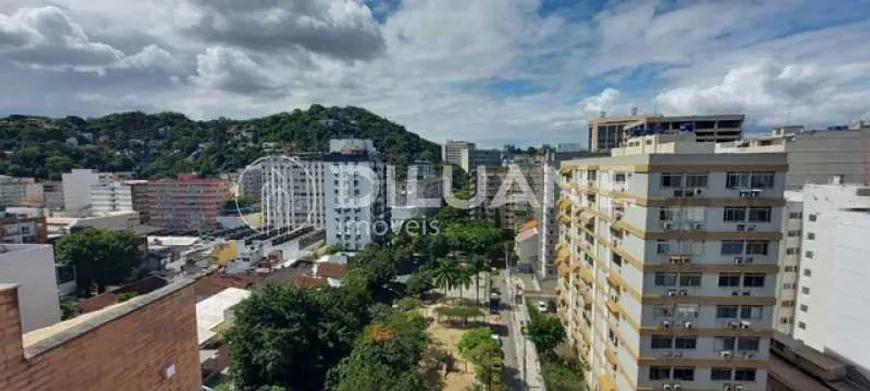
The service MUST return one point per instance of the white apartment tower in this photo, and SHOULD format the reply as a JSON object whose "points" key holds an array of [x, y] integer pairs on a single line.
{"points": [[77, 186], [355, 194], [451, 151], [667, 264], [292, 191], [111, 196], [832, 285]]}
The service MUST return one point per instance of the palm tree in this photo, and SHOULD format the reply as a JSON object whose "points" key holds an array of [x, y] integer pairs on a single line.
{"points": [[446, 274], [476, 265], [463, 279]]}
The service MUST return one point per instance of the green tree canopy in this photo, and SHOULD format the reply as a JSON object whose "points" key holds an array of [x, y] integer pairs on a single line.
{"points": [[100, 257]]}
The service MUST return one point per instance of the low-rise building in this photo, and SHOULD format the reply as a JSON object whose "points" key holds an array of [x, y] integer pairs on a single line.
{"points": [[21, 228], [214, 314], [526, 244], [13, 191], [607, 133], [111, 196], [146, 343]]}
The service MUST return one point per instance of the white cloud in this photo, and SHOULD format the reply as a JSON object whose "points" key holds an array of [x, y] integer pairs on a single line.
{"points": [[232, 70]]}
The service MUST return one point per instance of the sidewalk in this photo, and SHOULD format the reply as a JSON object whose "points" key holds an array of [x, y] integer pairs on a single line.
{"points": [[529, 364]]}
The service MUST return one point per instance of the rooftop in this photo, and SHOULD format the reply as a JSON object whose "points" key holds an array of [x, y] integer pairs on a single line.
{"points": [[211, 312]]}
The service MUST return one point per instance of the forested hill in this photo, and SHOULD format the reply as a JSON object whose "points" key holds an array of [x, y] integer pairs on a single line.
{"points": [[161, 145]]}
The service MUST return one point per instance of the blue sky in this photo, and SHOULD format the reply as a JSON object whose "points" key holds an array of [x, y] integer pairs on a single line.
{"points": [[492, 71]]}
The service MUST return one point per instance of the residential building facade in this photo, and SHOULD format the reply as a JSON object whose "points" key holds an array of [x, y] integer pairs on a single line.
{"points": [[23, 228], [608, 133], [667, 266], [111, 196], [53, 195], [451, 151], [186, 203], [13, 190], [32, 267], [789, 263], [473, 158], [834, 271], [815, 156], [292, 191], [356, 195], [77, 186]]}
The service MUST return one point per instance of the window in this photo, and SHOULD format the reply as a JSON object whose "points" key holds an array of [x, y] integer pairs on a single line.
{"points": [[787, 303], [668, 214], [759, 215], [696, 180], [808, 273], [748, 343], [802, 325], [811, 236], [762, 180], [744, 374], [729, 279], [737, 180], [619, 177], [805, 290], [723, 343], [672, 180], [685, 342], [690, 279], [753, 280], [809, 254], [665, 279], [661, 311], [726, 311], [791, 251], [662, 342], [659, 373], [732, 247], [751, 312], [685, 374], [718, 374], [788, 269], [812, 217], [687, 311], [804, 308], [795, 215], [734, 214], [756, 247], [794, 233], [663, 247]]}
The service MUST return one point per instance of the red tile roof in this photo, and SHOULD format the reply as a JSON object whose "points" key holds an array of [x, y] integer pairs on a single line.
{"points": [[331, 270]]}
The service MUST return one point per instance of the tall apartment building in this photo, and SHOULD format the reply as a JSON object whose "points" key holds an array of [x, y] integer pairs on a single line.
{"points": [[814, 156], [834, 272], [451, 151], [187, 203], [608, 133], [77, 186], [13, 190], [789, 262], [111, 196], [139, 198], [356, 194], [473, 158], [667, 265], [293, 191], [53, 195], [250, 181]]}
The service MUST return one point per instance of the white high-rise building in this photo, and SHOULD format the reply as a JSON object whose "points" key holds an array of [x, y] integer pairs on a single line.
{"points": [[356, 194], [292, 191], [111, 196], [832, 285], [452, 150], [667, 260], [77, 186]]}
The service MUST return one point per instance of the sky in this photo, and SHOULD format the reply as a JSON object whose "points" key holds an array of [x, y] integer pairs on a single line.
{"points": [[523, 72]]}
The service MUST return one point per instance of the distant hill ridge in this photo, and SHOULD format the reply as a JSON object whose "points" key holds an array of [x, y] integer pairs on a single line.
{"points": [[164, 144]]}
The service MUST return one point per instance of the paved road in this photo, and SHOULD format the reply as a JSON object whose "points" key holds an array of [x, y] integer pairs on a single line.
{"points": [[512, 376]]}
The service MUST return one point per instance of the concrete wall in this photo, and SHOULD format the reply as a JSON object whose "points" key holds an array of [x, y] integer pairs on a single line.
{"points": [[77, 188], [32, 268]]}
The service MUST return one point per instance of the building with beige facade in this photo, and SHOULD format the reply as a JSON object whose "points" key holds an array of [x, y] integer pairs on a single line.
{"points": [[667, 263], [608, 133]]}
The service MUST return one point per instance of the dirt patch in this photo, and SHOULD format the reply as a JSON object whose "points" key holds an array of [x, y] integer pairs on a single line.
{"points": [[444, 339]]}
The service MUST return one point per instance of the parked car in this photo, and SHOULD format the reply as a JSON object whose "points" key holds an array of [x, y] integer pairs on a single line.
{"points": [[543, 307]]}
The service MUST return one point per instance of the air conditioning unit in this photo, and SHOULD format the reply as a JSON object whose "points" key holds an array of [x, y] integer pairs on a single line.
{"points": [[674, 259], [739, 388], [733, 325], [750, 228], [688, 193], [747, 293], [748, 260], [667, 354], [738, 260], [668, 225], [699, 191], [666, 324], [735, 293], [726, 354], [688, 325], [698, 226], [678, 193], [666, 387], [686, 260], [677, 387], [727, 387], [741, 227], [672, 292], [678, 354], [745, 324], [683, 292]]}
